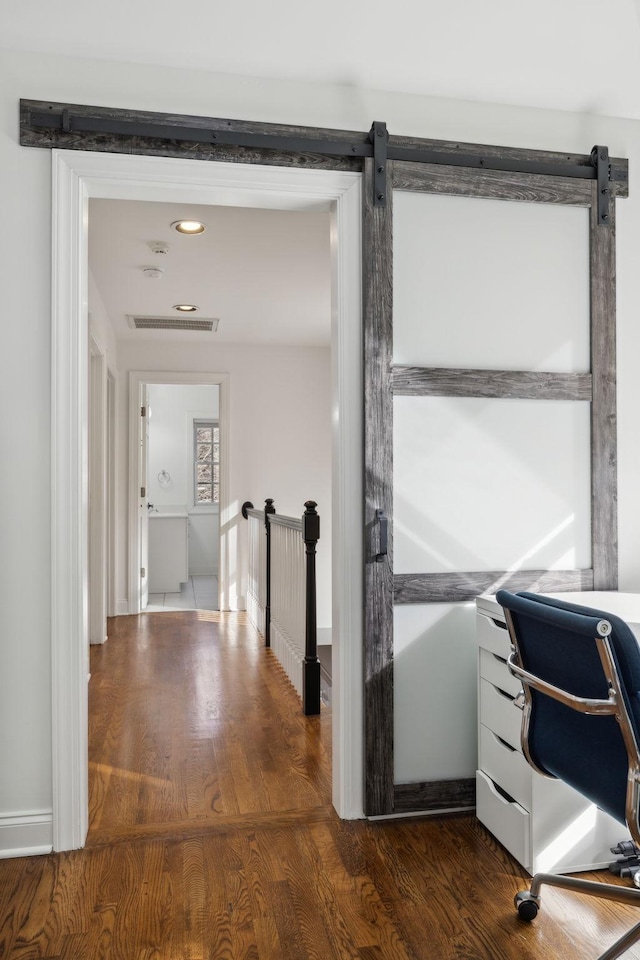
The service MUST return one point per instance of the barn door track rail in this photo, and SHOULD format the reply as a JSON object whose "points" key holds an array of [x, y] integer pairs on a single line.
{"points": [[75, 127]]}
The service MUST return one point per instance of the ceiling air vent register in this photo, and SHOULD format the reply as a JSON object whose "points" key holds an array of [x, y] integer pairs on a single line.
{"points": [[208, 325]]}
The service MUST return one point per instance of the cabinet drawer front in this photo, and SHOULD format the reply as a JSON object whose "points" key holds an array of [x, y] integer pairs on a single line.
{"points": [[499, 713], [494, 669], [493, 635], [504, 818], [506, 767]]}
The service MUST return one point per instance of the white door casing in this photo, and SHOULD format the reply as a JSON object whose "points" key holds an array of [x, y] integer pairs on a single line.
{"points": [[98, 493], [112, 509], [141, 598], [77, 176]]}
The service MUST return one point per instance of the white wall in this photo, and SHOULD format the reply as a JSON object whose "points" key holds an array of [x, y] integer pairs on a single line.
{"points": [[279, 438], [25, 364], [99, 325]]}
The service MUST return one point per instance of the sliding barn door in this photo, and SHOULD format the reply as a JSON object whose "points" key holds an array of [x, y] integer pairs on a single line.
{"points": [[489, 443]]}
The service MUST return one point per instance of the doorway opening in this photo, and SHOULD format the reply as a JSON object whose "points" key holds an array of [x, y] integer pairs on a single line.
{"points": [[182, 497], [190, 539], [78, 177]]}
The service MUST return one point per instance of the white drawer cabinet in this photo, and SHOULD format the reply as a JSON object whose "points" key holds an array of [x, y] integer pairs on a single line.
{"points": [[543, 823], [168, 552]]}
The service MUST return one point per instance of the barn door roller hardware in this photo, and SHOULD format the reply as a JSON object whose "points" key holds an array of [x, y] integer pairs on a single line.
{"points": [[600, 160], [45, 124], [380, 140]]}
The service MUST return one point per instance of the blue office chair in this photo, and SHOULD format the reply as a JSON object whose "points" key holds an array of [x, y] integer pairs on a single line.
{"points": [[580, 671]]}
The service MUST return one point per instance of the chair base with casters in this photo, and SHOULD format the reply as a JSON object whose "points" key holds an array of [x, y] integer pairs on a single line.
{"points": [[629, 863], [527, 903], [580, 671]]}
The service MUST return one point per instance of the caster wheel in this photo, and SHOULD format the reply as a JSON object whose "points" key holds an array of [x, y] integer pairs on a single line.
{"points": [[526, 905], [626, 848]]}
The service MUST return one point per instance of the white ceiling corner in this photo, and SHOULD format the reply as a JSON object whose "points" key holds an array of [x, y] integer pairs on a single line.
{"points": [[578, 55]]}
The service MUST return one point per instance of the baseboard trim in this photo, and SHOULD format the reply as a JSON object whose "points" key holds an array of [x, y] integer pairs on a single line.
{"points": [[203, 571], [122, 608], [26, 834]]}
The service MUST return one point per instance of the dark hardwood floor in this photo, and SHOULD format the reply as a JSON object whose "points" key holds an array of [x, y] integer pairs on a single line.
{"points": [[212, 835], [192, 725]]}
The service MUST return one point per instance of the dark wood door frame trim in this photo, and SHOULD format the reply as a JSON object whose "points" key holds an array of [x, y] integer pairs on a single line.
{"points": [[115, 130], [377, 305]]}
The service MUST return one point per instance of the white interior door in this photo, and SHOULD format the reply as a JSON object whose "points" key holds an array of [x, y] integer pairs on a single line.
{"points": [[143, 510]]}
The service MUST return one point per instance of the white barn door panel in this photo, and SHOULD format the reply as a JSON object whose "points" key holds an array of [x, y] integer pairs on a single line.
{"points": [[489, 444], [480, 484]]}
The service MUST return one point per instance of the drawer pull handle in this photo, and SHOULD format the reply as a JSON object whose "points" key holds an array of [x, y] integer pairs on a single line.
{"points": [[519, 701], [503, 743], [503, 693]]}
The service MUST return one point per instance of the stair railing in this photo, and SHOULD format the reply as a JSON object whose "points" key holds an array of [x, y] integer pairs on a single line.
{"points": [[281, 593]]}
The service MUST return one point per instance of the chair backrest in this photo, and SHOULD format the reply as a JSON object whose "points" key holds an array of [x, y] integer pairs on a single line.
{"points": [[556, 641]]}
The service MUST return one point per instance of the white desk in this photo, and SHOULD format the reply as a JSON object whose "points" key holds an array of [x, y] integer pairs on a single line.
{"points": [[623, 605], [545, 824]]}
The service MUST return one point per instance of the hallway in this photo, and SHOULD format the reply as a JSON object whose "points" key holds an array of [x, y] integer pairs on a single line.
{"points": [[193, 724]]}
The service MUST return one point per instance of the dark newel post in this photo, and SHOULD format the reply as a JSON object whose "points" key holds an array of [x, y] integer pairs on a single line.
{"points": [[268, 508], [311, 673]]}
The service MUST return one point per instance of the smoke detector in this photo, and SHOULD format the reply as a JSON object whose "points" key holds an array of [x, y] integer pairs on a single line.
{"points": [[153, 273], [158, 246]]}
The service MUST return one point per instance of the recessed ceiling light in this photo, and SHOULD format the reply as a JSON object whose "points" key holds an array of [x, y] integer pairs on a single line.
{"points": [[191, 227], [185, 307]]}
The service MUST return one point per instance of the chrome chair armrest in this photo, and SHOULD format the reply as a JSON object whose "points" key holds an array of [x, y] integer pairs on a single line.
{"points": [[581, 704]]}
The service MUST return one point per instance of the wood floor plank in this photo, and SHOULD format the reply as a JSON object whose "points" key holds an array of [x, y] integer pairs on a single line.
{"points": [[195, 908], [367, 909], [75, 946], [31, 914]]}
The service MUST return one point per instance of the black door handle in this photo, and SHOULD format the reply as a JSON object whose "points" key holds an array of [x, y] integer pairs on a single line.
{"points": [[382, 543]]}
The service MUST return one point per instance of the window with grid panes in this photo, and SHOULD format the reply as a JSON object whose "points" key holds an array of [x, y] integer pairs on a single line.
{"points": [[206, 467]]}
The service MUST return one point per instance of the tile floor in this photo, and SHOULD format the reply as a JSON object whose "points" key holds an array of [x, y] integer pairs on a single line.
{"points": [[198, 593]]}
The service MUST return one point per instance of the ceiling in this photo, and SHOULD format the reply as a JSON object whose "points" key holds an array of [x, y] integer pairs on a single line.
{"points": [[264, 273], [580, 55]]}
